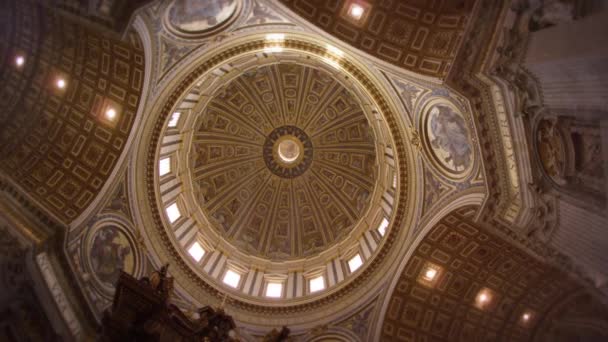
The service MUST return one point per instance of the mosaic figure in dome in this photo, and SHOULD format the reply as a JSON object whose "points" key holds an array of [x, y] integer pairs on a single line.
{"points": [[192, 16], [110, 253], [449, 138]]}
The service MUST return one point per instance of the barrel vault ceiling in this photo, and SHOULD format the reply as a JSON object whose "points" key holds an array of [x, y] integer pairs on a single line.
{"points": [[56, 143], [421, 36]]}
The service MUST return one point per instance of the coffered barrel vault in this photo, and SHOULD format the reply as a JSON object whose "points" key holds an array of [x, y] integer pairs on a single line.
{"points": [[470, 262], [420, 36], [57, 143]]}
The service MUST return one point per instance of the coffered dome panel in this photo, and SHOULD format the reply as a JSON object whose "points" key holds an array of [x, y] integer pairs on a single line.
{"points": [[283, 161]]}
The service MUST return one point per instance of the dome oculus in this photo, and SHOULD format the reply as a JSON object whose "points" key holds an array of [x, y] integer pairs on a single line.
{"points": [[288, 151]]}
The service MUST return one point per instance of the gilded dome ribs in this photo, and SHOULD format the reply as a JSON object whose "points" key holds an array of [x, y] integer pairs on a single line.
{"points": [[339, 103], [266, 210], [258, 109], [302, 95], [210, 136], [347, 173], [280, 240], [244, 219], [297, 206], [279, 89], [220, 167], [270, 225], [232, 188], [265, 203], [338, 197], [345, 122], [337, 147], [323, 103], [317, 217], [295, 238], [237, 116]]}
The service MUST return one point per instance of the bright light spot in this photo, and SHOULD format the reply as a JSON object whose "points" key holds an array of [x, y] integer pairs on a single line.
{"points": [[483, 297], [331, 62], [288, 151], [356, 11], [335, 50], [526, 316], [273, 49], [196, 251], [111, 113], [20, 60], [382, 227], [430, 274], [275, 37], [173, 212], [232, 279], [317, 284], [395, 181], [61, 83], [354, 263], [274, 290], [174, 119], [164, 166]]}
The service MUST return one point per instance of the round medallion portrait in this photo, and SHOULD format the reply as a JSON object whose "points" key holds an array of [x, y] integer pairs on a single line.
{"points": [[448, 138], [196, 17], [110, 252]]}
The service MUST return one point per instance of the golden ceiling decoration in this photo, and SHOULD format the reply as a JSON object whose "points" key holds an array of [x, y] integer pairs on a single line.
{"points": [[464, 283], [283, 161], [421, 36], [181, 188], [58, 143]]}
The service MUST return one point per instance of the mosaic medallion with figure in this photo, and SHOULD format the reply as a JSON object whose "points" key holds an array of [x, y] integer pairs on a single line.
{"points": [[449, 138], [199, 17], [111, 252], [283, 161]]}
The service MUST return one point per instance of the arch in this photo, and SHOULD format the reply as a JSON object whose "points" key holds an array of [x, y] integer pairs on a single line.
{"points": [[474, 200], [63, 132], [145, 36], [466, 268]]}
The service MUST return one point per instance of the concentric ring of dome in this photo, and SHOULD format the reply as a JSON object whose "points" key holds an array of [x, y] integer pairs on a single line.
{"points": [[179, 223], [257, 208], [278, 164]]}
